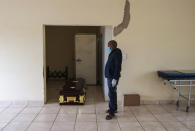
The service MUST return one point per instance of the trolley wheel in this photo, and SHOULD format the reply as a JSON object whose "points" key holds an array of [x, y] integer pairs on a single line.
{"points": [[187, 109], [177, 103]]}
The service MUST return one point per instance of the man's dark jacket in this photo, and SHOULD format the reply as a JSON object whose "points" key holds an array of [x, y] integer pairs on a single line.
{"points": [[113, 65]]}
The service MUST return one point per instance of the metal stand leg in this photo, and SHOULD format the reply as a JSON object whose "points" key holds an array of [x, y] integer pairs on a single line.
{"points": [[189, 97], [179, 92]]}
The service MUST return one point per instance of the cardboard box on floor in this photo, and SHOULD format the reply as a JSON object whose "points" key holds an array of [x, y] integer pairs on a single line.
{"points": [[131, 99]]}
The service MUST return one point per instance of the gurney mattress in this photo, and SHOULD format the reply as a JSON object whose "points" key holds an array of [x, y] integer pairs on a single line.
{"points": [[177, 75]]}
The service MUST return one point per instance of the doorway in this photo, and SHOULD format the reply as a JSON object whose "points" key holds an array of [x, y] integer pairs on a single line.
{"points": [[72, 52]]}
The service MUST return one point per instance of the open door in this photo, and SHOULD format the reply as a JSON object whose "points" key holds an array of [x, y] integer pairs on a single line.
{"points": [[85, 57]]}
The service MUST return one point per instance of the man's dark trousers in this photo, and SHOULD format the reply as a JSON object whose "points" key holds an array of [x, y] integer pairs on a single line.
{"points": [[112, 93]]}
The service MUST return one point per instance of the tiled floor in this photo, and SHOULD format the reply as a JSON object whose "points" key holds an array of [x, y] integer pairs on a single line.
{"points": [[91, 117]]}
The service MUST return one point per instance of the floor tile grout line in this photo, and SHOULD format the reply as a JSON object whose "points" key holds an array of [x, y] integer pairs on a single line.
{"points": [[184, 125], [14, 117], [75, 119], [165, 108], [176, 118], [1, 112], [96, 117], [156, 118], [55, 118], [152, 115], [34, 118], [168, 112], [137, 119], [118, 124]]}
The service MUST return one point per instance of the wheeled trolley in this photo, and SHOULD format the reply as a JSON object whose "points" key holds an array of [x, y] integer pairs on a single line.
{"points": [[74, 92], [178, 80]]}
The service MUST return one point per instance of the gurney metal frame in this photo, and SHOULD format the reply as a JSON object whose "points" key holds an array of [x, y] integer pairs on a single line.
{"points": [[177, 84]]}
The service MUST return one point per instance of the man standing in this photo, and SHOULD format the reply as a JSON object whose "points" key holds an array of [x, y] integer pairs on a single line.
{"points": [[112, 73]]}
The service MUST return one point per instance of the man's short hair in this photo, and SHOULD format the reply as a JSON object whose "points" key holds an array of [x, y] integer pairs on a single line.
{"points": [[113, 42]]}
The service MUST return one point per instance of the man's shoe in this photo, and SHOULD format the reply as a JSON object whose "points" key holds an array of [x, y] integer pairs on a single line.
{"points": [[109, 117], [107, 111]]}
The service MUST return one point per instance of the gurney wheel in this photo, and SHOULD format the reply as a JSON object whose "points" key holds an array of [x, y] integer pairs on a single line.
{"points": [[187, 109]]}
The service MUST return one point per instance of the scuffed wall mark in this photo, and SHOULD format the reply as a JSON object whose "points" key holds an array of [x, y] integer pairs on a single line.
{"points": [[126, 19]]}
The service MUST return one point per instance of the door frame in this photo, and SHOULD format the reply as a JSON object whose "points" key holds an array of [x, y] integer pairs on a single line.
{"points": [[107, 36]]}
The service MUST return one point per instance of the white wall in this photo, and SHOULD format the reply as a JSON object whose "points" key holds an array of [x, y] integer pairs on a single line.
{"points": [[21, 63], [160, 36]]}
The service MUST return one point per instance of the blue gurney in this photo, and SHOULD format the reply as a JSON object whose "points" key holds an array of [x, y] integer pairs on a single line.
{"points": [[179, 79]]}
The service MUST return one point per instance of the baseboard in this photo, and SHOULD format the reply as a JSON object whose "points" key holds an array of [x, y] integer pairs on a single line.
{"points": [[5, 103], [21, 103], [41, 103], [156, 102], [35, 103]]}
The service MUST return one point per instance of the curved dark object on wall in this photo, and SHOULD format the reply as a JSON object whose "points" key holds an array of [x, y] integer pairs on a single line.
{"points": [[126, 19]]}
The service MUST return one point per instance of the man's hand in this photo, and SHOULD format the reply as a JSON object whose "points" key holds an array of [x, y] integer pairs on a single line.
{"points": [[114, 82]]}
